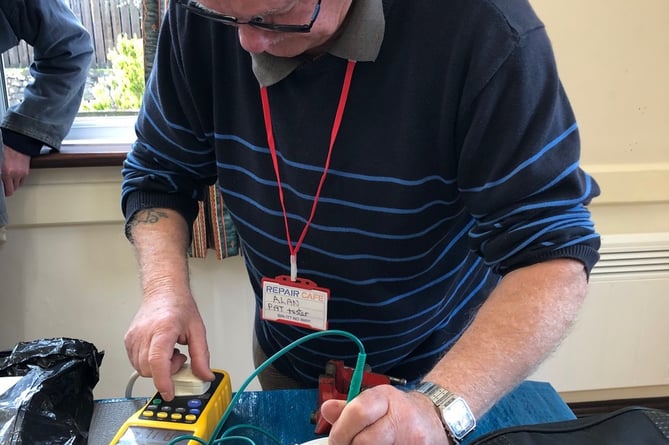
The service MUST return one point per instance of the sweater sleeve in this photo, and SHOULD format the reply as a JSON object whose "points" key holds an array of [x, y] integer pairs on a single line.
{"points": [[172, 161], [519, 168]]}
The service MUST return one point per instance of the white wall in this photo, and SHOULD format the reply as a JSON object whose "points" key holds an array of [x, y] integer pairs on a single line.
{"points": [[67, 270], [612, 56], [617, 348], [613, 62]]}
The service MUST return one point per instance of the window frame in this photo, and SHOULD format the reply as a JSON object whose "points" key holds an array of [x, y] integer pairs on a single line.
{"points": [[81, 148], [75, 151]]}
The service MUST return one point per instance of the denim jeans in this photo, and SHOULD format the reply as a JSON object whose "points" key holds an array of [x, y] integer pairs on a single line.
{"points": [[3, 209]]}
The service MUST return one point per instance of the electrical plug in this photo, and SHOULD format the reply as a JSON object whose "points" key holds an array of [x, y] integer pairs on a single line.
{"points": [[186, 384]]}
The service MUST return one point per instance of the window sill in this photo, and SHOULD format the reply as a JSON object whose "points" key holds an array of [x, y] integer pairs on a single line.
{"points": [[83, 156], [93, 141]]}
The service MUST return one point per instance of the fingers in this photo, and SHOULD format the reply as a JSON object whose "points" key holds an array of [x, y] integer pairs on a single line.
{"points": [[11, 184], [384, 415], [8, 186], [199, 355], [198, 350], [360, 419], [177, 361], [150, 342], [161, 359], [158, 360], [15, 169], [331, 410]]}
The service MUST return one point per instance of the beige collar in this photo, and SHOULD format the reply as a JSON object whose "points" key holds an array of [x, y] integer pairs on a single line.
{"points": [[360, 40]]}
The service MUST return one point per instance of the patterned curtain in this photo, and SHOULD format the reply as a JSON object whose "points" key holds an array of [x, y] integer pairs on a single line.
{"points": [[213, 228], [152, 13]]}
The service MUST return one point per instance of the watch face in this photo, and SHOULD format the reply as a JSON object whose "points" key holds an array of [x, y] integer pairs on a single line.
{"points": [[459, 418]]}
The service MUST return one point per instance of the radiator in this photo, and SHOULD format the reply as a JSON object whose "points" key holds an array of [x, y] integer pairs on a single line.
{"points": [[633, 254], [621, 338]]}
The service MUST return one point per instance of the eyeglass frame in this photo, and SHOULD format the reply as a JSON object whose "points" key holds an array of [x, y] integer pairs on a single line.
{"points": [[198, 9]]}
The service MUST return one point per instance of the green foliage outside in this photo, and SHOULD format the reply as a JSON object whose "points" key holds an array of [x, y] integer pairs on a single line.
{"points": [[121, 87]]}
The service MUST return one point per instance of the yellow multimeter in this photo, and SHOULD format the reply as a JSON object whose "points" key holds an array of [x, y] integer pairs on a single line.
{"points": [[158, 422]]}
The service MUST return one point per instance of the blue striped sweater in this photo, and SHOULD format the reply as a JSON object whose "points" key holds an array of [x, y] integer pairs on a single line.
{"points": [[457, 161]]}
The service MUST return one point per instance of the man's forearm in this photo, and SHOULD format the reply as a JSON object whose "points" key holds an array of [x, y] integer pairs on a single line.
{"points": [[160, 237], [524, 319]]}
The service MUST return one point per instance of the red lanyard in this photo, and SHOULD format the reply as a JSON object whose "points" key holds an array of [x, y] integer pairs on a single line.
{"points": [[272, 148]]}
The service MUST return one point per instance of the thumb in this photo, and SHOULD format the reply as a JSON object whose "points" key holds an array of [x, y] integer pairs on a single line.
{"points": [[331, 409]]}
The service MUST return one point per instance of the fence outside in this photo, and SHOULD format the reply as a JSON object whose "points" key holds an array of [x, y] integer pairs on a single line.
{"points": [[106, 20]]}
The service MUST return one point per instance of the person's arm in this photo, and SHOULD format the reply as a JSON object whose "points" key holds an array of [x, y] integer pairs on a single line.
{"points": [[168, 314], [62, 55], [524, 319], [165, 174]]}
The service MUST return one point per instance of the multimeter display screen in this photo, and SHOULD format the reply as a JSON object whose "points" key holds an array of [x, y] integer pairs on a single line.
{"points": [[136, 435]]}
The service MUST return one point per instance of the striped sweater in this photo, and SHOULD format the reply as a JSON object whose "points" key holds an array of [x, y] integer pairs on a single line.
{"points": [[457, 161]]}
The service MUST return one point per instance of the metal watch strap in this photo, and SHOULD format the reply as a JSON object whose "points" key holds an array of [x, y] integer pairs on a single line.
{"points": [[441, 397]]}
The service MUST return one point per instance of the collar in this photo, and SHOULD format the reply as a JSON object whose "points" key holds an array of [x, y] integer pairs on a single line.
{"points": [[360, 40]]}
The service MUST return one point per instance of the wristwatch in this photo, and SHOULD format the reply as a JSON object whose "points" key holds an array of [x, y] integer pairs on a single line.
{"points": [[454, 412]]}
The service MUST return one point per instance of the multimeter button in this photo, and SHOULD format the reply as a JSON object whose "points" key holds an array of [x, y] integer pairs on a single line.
{"points": [[148, 413], [176, 416], [194, 403], [191, 417], [162, 415], [180, 410], [166, 408], [156, 401]]}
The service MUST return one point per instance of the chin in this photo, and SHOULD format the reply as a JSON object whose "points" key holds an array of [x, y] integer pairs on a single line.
{"points": [[285, 52]]}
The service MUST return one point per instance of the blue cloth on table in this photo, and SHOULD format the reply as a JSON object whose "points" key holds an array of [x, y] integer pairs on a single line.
{"points": [[530, 403], [286, 414]]}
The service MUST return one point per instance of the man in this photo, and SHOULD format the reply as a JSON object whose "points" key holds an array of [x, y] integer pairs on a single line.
{"points": [[62, 56], [414, 162]]}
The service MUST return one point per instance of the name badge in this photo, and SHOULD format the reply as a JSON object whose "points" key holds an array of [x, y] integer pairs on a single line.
{"points": [[298, 303]]}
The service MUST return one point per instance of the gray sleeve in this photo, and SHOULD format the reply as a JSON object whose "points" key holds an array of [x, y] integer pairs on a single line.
{"points": [[62, 57]]}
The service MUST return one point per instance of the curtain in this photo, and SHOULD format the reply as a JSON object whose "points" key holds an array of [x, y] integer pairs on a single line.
{"points": [[213, 228], [152, 12]]}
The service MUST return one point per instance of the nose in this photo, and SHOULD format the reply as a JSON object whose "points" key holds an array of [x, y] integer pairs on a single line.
{"points": [[254, 40]]}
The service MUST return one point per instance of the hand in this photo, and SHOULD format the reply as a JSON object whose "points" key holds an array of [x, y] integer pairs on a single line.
{"points": [[384, 415], [15, 169], [160, 323]]}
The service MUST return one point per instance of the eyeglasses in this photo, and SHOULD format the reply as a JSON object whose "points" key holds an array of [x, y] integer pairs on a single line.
{"points": [[258, 22]]}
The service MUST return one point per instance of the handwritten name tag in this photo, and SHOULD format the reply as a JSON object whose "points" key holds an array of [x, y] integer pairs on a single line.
{"points": [[299, 303]]}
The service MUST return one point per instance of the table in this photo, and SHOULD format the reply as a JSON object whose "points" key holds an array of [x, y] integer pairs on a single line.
{"points": [[286, 413]]}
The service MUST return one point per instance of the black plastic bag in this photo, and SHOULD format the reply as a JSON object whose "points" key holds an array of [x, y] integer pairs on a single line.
{"points": [[52, 402]]}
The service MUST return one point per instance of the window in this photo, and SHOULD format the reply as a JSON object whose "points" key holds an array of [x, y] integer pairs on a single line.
{"points": [[116, 77]]}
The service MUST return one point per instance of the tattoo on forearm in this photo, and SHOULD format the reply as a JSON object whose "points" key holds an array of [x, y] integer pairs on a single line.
{"points": [[149, 216], [146, 216]]}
